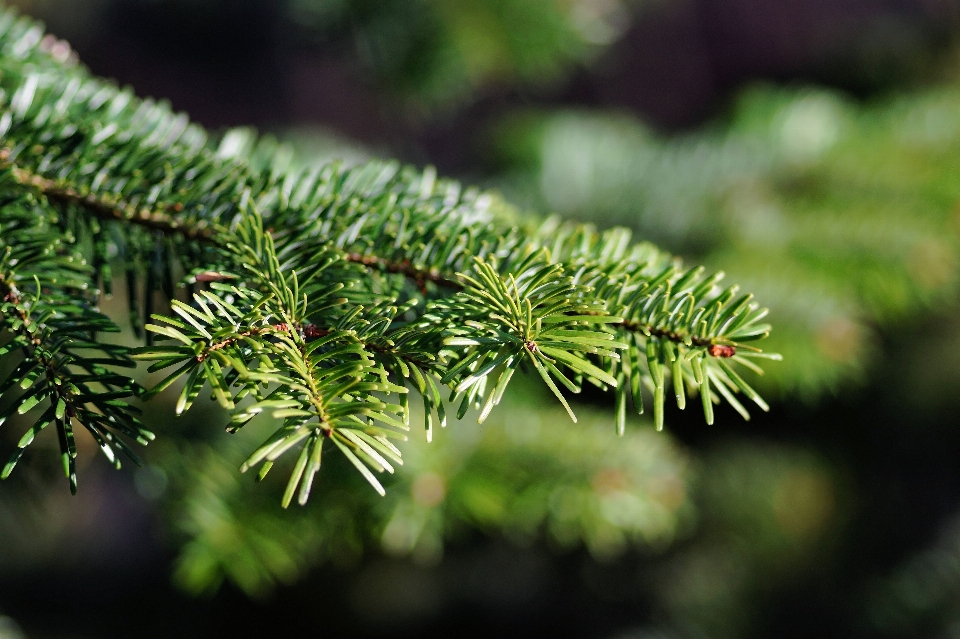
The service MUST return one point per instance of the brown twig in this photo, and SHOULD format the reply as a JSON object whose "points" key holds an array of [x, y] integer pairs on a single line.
{"points": [[107, 208], [714, 349], [161, 220], [406, 268]]}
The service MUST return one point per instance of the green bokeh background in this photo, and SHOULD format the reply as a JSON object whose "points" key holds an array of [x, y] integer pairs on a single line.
{"points": [[810, 150]]}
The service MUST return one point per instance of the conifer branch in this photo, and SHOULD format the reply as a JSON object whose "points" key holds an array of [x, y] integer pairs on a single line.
{"points": [[49, 325], [329, 291], [106, 210]]}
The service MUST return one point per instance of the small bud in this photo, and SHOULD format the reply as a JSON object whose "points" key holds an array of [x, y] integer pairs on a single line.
{"points": [[212, 276], [721, 350], [311, 331]]}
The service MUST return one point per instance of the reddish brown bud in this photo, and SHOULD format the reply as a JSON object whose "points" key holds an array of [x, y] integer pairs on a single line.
{"points": [[311, 331], [721, 350], [212, 276]]}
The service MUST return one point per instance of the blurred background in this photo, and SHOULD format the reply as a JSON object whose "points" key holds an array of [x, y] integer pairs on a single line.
{"points": [[809, 148]]}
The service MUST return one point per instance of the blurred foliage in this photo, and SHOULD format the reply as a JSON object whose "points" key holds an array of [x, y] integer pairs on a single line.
{"points": [[517, 476], [769, 516], [428, 56], [921, 597], [844, 217], [436, 53]]}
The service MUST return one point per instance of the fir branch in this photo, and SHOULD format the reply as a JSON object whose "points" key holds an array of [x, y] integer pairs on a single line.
{"points": [[330, 289], [50, 327], [61, 400], [105, 209]]}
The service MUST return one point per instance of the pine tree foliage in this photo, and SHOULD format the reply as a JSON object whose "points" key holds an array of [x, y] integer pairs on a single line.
{"points": [[325, 298]]}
